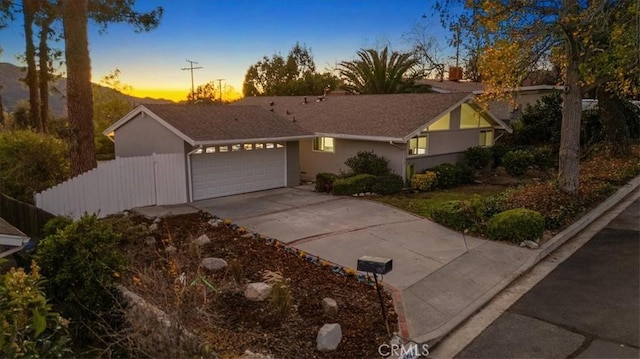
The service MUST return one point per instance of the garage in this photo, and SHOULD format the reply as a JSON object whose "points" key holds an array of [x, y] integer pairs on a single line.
{"points": [[218, 171]]}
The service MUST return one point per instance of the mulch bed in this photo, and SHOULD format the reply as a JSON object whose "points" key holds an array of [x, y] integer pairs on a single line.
{"points": [[231, 324]]}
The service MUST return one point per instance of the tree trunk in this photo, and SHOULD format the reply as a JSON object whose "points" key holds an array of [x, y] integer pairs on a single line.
{"points": [[29, 10], [569, 160], [79, 94], [44, 73], [616, 131], [1, 109]]}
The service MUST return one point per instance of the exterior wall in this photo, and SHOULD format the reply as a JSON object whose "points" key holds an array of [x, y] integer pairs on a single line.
{"points": [[425, 162], [312, 163], [143, 136], [293, 163], [453, 141]]}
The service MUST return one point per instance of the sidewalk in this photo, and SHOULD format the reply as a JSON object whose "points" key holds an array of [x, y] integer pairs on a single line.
{"points": [[441, 301]]}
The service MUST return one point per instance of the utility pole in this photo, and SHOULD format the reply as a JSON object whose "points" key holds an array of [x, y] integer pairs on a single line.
{"points": [[191, 68], [220, 88]]}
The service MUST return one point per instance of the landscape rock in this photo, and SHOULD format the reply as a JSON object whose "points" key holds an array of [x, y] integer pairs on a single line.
{"points": [[157, 220], [171, 249], [215, 222], [248, 354], [153, 227], [202, 240], [329, 337], [150, 241], [329, 307], [247, 235], [214, 264], [529, 244], [257, 292]]}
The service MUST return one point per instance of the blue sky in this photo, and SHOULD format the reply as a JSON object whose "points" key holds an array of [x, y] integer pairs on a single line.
{"points": [[226, 37]]}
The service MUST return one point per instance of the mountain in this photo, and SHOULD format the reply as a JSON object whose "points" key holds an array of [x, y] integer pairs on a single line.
{"points": [[13, 90]]}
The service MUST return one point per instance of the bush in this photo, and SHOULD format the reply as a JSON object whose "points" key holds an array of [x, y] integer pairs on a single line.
{"points": [[540, 123], [544, 158], [324, 181], [516, 225], [424, 181], [453, 214], [517, 162], [81, 263], [389, 184], [478, 157], [353, 185], [31, 162], [367, 162], [450, 175], [497, 153], [28, 326], [56, 224]]}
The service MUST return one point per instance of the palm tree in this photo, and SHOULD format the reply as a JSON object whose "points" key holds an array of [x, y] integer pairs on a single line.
{"points": [[378, 72]]}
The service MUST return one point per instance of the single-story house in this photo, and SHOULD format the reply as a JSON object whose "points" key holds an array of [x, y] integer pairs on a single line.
{"points": [[12, 239], [227, 149], [412, 131]]}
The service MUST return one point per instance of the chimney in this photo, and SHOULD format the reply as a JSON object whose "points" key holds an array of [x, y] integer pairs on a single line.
{"points": [[455, 73]]}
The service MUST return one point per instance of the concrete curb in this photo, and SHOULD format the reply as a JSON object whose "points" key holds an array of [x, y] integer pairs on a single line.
{"points": [[540, 253]]}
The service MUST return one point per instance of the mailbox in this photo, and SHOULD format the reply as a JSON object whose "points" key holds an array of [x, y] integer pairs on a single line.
{"points": [[375, 265]]}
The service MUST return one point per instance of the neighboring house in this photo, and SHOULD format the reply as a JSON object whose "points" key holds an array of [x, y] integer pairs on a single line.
{"points": [[413, 131], [11, 239], [227, 149]]}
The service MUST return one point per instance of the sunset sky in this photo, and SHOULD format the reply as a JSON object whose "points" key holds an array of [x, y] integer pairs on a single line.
{"points": [[226, 37]]}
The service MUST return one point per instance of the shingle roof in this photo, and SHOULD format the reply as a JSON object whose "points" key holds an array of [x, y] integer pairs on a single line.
{"points": [[213, 123], [387, 116], [447, 86], [8, 229]]}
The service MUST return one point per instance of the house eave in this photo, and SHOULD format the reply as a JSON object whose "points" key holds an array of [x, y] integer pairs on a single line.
{"points": [[360, 137], [245, 140], [13, 241]]}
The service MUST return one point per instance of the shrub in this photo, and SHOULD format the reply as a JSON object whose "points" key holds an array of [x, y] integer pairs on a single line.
{"points": [[540, 123], [353, 185], [28, 326], [497, 153], [450, 175], [516, 225], [81, 263], [31, 162], [517, 162], [389, 184], [544, 158], [324, 181], [453, 214], [368, 162], [478, 157], [424, 181], [56, 224]]}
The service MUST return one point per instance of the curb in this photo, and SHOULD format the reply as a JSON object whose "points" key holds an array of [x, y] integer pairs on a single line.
{"points": [[548, 247]]}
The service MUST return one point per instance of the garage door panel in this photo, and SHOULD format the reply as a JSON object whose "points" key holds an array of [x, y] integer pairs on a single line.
{"points": [[223, 174]]}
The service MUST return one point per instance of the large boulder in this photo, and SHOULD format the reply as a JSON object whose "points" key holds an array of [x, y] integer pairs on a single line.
{"points": [[329, 337], [257, 292]]}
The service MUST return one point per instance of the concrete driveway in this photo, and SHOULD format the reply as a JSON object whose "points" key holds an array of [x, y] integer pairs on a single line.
{"points": [[342, 229]]}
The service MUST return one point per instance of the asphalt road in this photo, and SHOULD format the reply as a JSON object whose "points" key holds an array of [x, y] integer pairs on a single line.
{"points": [[588, 307]]}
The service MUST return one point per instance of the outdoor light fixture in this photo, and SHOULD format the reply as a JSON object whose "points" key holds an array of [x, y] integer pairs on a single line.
{"points": [[377, 265]]}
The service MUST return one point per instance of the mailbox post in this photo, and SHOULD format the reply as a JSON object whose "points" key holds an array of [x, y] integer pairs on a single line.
{"points": [[377, 265]]}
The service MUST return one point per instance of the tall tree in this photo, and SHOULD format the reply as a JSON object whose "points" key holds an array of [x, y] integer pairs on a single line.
{"points": [[295, 75], [46, 16], [79, 94], [521, 35], [426, 49], [380, 72], [29, 10]]}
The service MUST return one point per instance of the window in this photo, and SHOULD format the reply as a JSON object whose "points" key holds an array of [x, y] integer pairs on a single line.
{"points": [[279, 145], [470, 118], [248, 147], [259, 146], [486, 138], [418, 145], [442, 124], [269, 145], [224, 148], [210, 150], [198, 151], [323, 144], [235, 148]]}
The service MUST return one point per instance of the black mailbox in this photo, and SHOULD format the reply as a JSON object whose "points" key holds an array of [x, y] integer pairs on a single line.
{"points": [[375, 264]]}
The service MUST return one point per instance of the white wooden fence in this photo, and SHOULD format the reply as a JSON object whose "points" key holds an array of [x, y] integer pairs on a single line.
{"points": [[123, 183]]}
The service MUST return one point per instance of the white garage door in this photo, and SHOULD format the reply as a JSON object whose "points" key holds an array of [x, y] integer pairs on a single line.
{"points": [[227, 170]]}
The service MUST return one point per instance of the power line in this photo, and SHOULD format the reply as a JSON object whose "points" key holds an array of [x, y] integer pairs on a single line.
{"points": [[220, 88], [191, 68]]}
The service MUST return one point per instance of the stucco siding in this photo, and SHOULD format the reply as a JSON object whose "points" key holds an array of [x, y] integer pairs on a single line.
{"points": [[452, 141], [143, 136], [293, 164], [312, 163], [422, 163]]}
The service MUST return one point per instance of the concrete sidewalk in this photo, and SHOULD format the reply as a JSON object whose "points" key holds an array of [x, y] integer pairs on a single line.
{"points": [[440, 277]]}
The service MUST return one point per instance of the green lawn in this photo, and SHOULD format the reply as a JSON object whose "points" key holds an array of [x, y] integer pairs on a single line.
{"points": [[423, 203]]}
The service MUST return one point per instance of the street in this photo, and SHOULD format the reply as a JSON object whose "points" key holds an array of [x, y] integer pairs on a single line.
{"points": [[588, 307]]}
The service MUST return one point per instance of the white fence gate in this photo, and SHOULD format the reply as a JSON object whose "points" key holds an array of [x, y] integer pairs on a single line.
{"points": [[123, 183]]}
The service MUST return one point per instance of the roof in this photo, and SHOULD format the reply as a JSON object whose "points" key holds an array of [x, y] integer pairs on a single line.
{"points": [[394, 117], [214, 124], [447, 86], [10, 235]]}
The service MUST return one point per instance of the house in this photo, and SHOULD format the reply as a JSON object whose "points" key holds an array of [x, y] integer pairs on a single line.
{"points": [[226, 149], [412, 131], [12, 239]]}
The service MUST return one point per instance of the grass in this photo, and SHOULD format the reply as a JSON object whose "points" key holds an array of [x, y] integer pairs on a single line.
{"points": [[423, 203]]}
